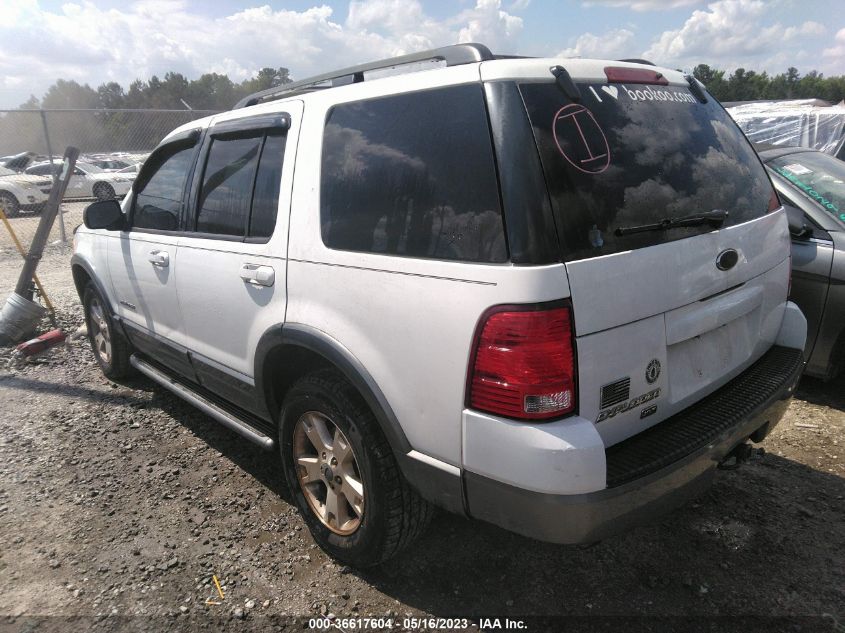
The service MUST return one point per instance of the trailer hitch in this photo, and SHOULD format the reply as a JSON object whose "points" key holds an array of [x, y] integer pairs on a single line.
{"points": [[739, 455]]}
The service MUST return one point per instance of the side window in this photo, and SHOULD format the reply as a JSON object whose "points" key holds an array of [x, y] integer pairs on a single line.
{"points": [[412, 175], [159, 202], [223, 206], [265, 199]]}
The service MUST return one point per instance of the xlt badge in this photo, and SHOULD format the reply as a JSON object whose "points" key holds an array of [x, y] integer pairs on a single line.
{"points": [[627, 406]]}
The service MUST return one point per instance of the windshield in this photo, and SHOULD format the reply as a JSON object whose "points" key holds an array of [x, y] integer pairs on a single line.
{"points": [[819, 176], [628, 156]]}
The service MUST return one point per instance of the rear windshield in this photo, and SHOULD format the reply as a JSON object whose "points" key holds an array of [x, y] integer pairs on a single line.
{"points": [[628, 156], [819, 176]]}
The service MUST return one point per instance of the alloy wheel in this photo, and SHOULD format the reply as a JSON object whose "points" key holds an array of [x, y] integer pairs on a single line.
{"points": [[328, 473], [100, 330]]}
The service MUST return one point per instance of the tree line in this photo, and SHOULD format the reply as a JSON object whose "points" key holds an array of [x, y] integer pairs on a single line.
{"points": [[211, 91], [102, 131], [748, 85], [141, 131]]}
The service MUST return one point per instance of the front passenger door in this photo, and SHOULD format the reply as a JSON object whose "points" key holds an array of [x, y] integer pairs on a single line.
{"points": [[142, 260]]}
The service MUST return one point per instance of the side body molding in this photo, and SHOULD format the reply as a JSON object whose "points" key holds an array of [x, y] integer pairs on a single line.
{"points": [[439, 485]]}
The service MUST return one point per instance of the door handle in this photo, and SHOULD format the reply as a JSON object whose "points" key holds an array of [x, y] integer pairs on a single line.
{"points": [[258, 275], [159, 258]]}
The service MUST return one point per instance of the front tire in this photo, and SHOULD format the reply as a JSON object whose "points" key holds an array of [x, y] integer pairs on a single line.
{"points": [[343, 475], [10, 205], [110, 349]]}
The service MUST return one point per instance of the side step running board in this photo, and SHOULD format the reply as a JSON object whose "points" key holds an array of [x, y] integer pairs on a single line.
{"points": [[203, 404]]}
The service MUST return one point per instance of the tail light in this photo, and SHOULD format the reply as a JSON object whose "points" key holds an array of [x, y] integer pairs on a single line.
{"points": [[524, 363]]}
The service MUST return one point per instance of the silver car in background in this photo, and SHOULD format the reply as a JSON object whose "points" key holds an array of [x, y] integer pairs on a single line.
{"points": [[814, 183]]}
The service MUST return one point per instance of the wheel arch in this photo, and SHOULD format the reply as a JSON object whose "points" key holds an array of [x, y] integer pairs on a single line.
{"points": [[83, 273], [287, 352], [10, 192]]}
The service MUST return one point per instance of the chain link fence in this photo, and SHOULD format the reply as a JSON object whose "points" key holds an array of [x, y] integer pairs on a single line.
{"points": [[112, 144]]}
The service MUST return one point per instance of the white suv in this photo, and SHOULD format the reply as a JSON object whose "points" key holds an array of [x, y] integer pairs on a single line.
{"points": [[546, 293]]}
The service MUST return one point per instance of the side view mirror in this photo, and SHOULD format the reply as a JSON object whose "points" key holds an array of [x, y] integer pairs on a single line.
{"points": [[104, 214], [798, 227]]}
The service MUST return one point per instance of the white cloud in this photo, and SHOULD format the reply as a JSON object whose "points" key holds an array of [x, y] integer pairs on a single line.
{"points": [[644, 5], [834, 57], [488, 23], [731, 33], [93, 45], [611, 45]]}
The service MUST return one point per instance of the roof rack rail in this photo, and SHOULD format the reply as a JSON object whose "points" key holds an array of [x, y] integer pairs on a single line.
{"points": [[634, 60], [452, 55]]}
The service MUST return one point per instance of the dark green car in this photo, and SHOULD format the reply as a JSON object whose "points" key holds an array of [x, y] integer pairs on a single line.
{"points": [[814, 182]]}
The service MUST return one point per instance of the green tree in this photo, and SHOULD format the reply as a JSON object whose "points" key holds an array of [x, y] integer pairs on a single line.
{"points": [[70, 94], [111, 95]]}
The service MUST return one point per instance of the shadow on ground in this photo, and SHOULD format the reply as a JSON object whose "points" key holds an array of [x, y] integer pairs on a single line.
{"points": [[829, 394], [751, 545]]}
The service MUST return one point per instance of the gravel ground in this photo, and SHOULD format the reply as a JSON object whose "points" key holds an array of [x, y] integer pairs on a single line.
{"points": [[118, 503]]}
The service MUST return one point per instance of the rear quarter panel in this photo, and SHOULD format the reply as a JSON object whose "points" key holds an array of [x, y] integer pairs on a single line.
{"points": [[409, 321]]}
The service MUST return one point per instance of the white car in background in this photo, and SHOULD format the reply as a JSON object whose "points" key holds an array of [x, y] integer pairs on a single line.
{"points": [[108, 164], [22, 192], [131, 171], [88, 181]]}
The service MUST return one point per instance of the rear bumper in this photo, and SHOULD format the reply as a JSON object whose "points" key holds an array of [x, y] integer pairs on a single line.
{"points": [[655, 471]]}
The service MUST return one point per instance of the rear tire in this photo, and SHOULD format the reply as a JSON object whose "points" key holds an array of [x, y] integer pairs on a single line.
{"points": [[110, 349], [10, 205], [104, 191], [390, 514]]}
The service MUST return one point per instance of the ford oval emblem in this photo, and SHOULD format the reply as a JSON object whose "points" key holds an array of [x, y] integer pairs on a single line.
{"points": [[727, 259]]}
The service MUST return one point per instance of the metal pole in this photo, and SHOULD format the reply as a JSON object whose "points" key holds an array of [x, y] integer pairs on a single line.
{"points": [[55, 178], [21, 250], [57, 194]]}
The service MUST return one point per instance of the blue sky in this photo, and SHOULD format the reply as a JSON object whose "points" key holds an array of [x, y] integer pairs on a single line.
{"points": [[95, 41]]}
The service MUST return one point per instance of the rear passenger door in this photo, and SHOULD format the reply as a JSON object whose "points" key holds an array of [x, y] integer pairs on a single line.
{"points": [[232, 257]]}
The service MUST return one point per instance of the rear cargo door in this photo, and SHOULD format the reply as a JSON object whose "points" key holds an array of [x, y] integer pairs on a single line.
{"points": [[677, 263]]}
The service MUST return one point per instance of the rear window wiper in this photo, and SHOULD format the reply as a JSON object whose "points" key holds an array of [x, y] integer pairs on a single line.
{"points": [[714, 218]]}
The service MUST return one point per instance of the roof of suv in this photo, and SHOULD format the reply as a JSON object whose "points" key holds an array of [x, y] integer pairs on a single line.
{"points": [[492, 67]]}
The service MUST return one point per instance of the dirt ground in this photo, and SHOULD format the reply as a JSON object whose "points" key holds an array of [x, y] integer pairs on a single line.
{"points": [[118, 503]]}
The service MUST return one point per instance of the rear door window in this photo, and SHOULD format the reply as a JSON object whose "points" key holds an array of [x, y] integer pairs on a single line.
{"points": [[223, 207], [265, 200], [413, 175], [627, 156]]}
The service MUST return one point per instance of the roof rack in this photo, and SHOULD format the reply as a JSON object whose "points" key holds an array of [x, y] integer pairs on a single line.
{"points": [[637, 61], [453, 56]]}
